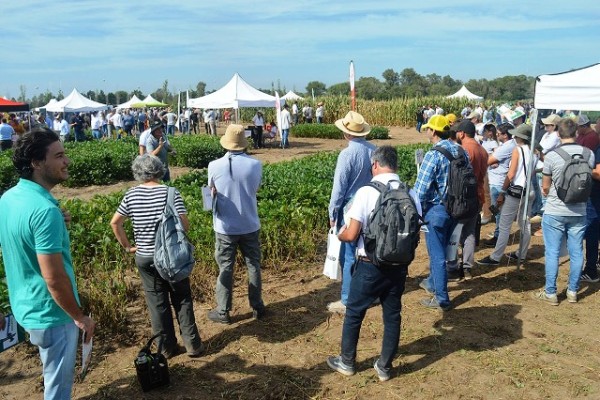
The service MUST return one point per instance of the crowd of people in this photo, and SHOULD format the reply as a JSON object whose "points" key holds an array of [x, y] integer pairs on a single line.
{"points": [[37, 260]]}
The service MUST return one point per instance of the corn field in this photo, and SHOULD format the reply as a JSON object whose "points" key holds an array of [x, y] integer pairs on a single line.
{"points": [[396, 112]]}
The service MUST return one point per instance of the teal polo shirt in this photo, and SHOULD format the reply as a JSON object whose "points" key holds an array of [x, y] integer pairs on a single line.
{"points": [[31, 223]]}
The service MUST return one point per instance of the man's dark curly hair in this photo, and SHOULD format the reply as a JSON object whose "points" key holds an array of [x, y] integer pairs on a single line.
{"points": [[32, 146]]}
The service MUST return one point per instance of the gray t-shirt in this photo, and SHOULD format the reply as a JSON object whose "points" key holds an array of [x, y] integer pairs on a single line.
{"points": [[553, 164], [503, 153]]}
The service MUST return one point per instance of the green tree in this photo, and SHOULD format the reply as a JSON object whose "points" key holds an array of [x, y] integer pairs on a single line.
{"points": [[369, 88], [200, 89], [391, 77], [319, 88], [22, 93], [102, 97], [138, 93], [90, 94], [342, 88]]}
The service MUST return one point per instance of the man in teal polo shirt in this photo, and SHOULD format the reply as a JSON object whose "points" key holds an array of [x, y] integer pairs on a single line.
{"points": [[37, 260]]}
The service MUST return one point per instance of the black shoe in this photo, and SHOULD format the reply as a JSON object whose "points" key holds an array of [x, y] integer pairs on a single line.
{"points": [[197, 352], [490, 242], [259, 313], [488, 261], [512, 256], [456, 275], [219, 317]]}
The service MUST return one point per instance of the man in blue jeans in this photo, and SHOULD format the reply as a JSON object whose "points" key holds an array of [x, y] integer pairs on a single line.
{"points": [[431, 187], [352, 171], [562, 220], [370, 282], [37, 260]]}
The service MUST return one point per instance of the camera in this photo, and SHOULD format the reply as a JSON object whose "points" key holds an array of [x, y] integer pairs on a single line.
{"points": [[494, 210], [152, 368]]}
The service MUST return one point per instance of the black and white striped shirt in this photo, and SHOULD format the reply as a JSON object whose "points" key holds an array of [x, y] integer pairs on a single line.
{"points": [[145, 205]]}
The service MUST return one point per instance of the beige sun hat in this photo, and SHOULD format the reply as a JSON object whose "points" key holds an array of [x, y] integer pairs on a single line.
{"points": [[353, 124], [552, 119], [234, 138]]}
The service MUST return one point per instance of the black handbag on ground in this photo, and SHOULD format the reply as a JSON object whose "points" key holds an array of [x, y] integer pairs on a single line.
{"points": [[152, 368]]}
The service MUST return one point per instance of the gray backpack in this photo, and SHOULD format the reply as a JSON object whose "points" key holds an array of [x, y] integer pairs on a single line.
{"points": [[392, 233], [574, 184], [173, 252]]}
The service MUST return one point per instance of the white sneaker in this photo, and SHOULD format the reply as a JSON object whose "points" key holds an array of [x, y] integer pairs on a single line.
{"points": [[571, 296], [336, 307]]}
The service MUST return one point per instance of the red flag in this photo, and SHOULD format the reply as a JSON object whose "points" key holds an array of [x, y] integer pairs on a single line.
{"points": [[352, 92]]}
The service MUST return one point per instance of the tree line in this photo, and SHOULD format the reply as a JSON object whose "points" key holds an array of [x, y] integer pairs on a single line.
{"points": [[405, 84]]}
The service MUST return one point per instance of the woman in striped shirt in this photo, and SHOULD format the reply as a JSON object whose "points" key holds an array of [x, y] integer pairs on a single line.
{"points": [[144, 205]]}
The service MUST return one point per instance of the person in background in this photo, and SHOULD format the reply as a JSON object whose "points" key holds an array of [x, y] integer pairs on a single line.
{"points": [[37, 260], [295, 112], [286, 123], [234, 180], [319, 113], [586, 136], [6, 134], [158, 145], [352, 171], [259, 122]]}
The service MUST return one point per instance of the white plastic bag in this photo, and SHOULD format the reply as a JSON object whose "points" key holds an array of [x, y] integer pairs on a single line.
{"points": [[331, 269]]}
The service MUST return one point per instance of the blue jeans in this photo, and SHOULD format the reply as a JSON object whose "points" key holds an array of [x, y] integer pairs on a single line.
{"points": [[494, 192], [170, 129], [347, 259], [439, 228], [419, 125], [555, 228], [284, 138], [592, 237], [58, 347], [369, 283], [538, 204], [225, 254], [97, 134]]}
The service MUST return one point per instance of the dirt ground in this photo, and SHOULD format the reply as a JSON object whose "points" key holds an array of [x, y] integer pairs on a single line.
{"points": [[496, 343]]}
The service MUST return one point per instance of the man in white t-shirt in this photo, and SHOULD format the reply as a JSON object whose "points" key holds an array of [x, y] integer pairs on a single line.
{"points": [[170, 117], [370, 282], [146, 134]]}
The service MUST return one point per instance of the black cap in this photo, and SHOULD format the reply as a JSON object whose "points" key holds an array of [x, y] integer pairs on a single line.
{"points": [[465, 126]]}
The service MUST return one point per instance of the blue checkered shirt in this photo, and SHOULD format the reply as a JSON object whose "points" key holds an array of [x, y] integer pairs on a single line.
{"points": [[435, 168]]}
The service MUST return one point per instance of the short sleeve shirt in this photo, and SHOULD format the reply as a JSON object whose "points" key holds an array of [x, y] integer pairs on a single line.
{"points": [[553, 164]]}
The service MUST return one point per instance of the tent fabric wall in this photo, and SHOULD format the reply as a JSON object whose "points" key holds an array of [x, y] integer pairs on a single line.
{"points": [[291, 96], [572, 90], [148, 101], [237, 93], [75, 102], [134, 99], [464, 92]]}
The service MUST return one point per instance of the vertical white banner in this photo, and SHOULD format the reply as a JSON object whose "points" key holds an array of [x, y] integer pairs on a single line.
{"points": [[352, 92], [278, 112]]}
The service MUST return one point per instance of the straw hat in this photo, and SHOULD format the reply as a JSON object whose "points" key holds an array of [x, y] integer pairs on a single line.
{"points": [[234, 138], [353, 124]]}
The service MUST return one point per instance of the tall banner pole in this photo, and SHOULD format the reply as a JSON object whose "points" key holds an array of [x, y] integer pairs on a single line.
{"points": [[352, 92]]}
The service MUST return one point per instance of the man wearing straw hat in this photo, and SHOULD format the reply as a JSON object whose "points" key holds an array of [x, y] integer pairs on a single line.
{"points": [[234, 180], [353, 170]]}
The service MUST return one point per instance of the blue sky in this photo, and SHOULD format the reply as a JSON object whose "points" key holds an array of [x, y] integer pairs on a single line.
{"points": [[126, 45]]}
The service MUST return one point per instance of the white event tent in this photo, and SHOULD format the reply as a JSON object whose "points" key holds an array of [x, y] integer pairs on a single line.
{"points": [[134, 100], [75, 102], [464, 92], [237, 93], [291, 96], [50, 103], [573, 90]]}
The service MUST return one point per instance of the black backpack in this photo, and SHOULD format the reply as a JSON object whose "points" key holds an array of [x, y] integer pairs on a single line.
{"points": [[574, 184], [393, 229], [461, 201]]}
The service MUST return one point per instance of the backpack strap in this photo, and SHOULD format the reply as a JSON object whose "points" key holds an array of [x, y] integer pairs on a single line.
{"points": [[381, 187]]}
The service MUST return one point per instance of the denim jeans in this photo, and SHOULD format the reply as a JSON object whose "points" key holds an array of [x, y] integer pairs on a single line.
{"points": [[439, 228], [97, 134], [347, 259], [170, 130], [284, 138], [555, 228], [58, 348], [160, 296], [369, 283], [494, 192], [592, 236], [538, 200], [225, 255]]}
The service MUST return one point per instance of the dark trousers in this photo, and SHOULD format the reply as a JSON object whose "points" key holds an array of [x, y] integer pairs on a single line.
{"points": [[160, 296], [6, 144], [369, 283], [592, 234]]}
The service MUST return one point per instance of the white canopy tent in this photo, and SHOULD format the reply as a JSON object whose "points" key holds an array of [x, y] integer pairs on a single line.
{"points": [[578, 89], [237, 93], [50, 103], [464, 92], [134, 100], [291, 96], [75, 102]]}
